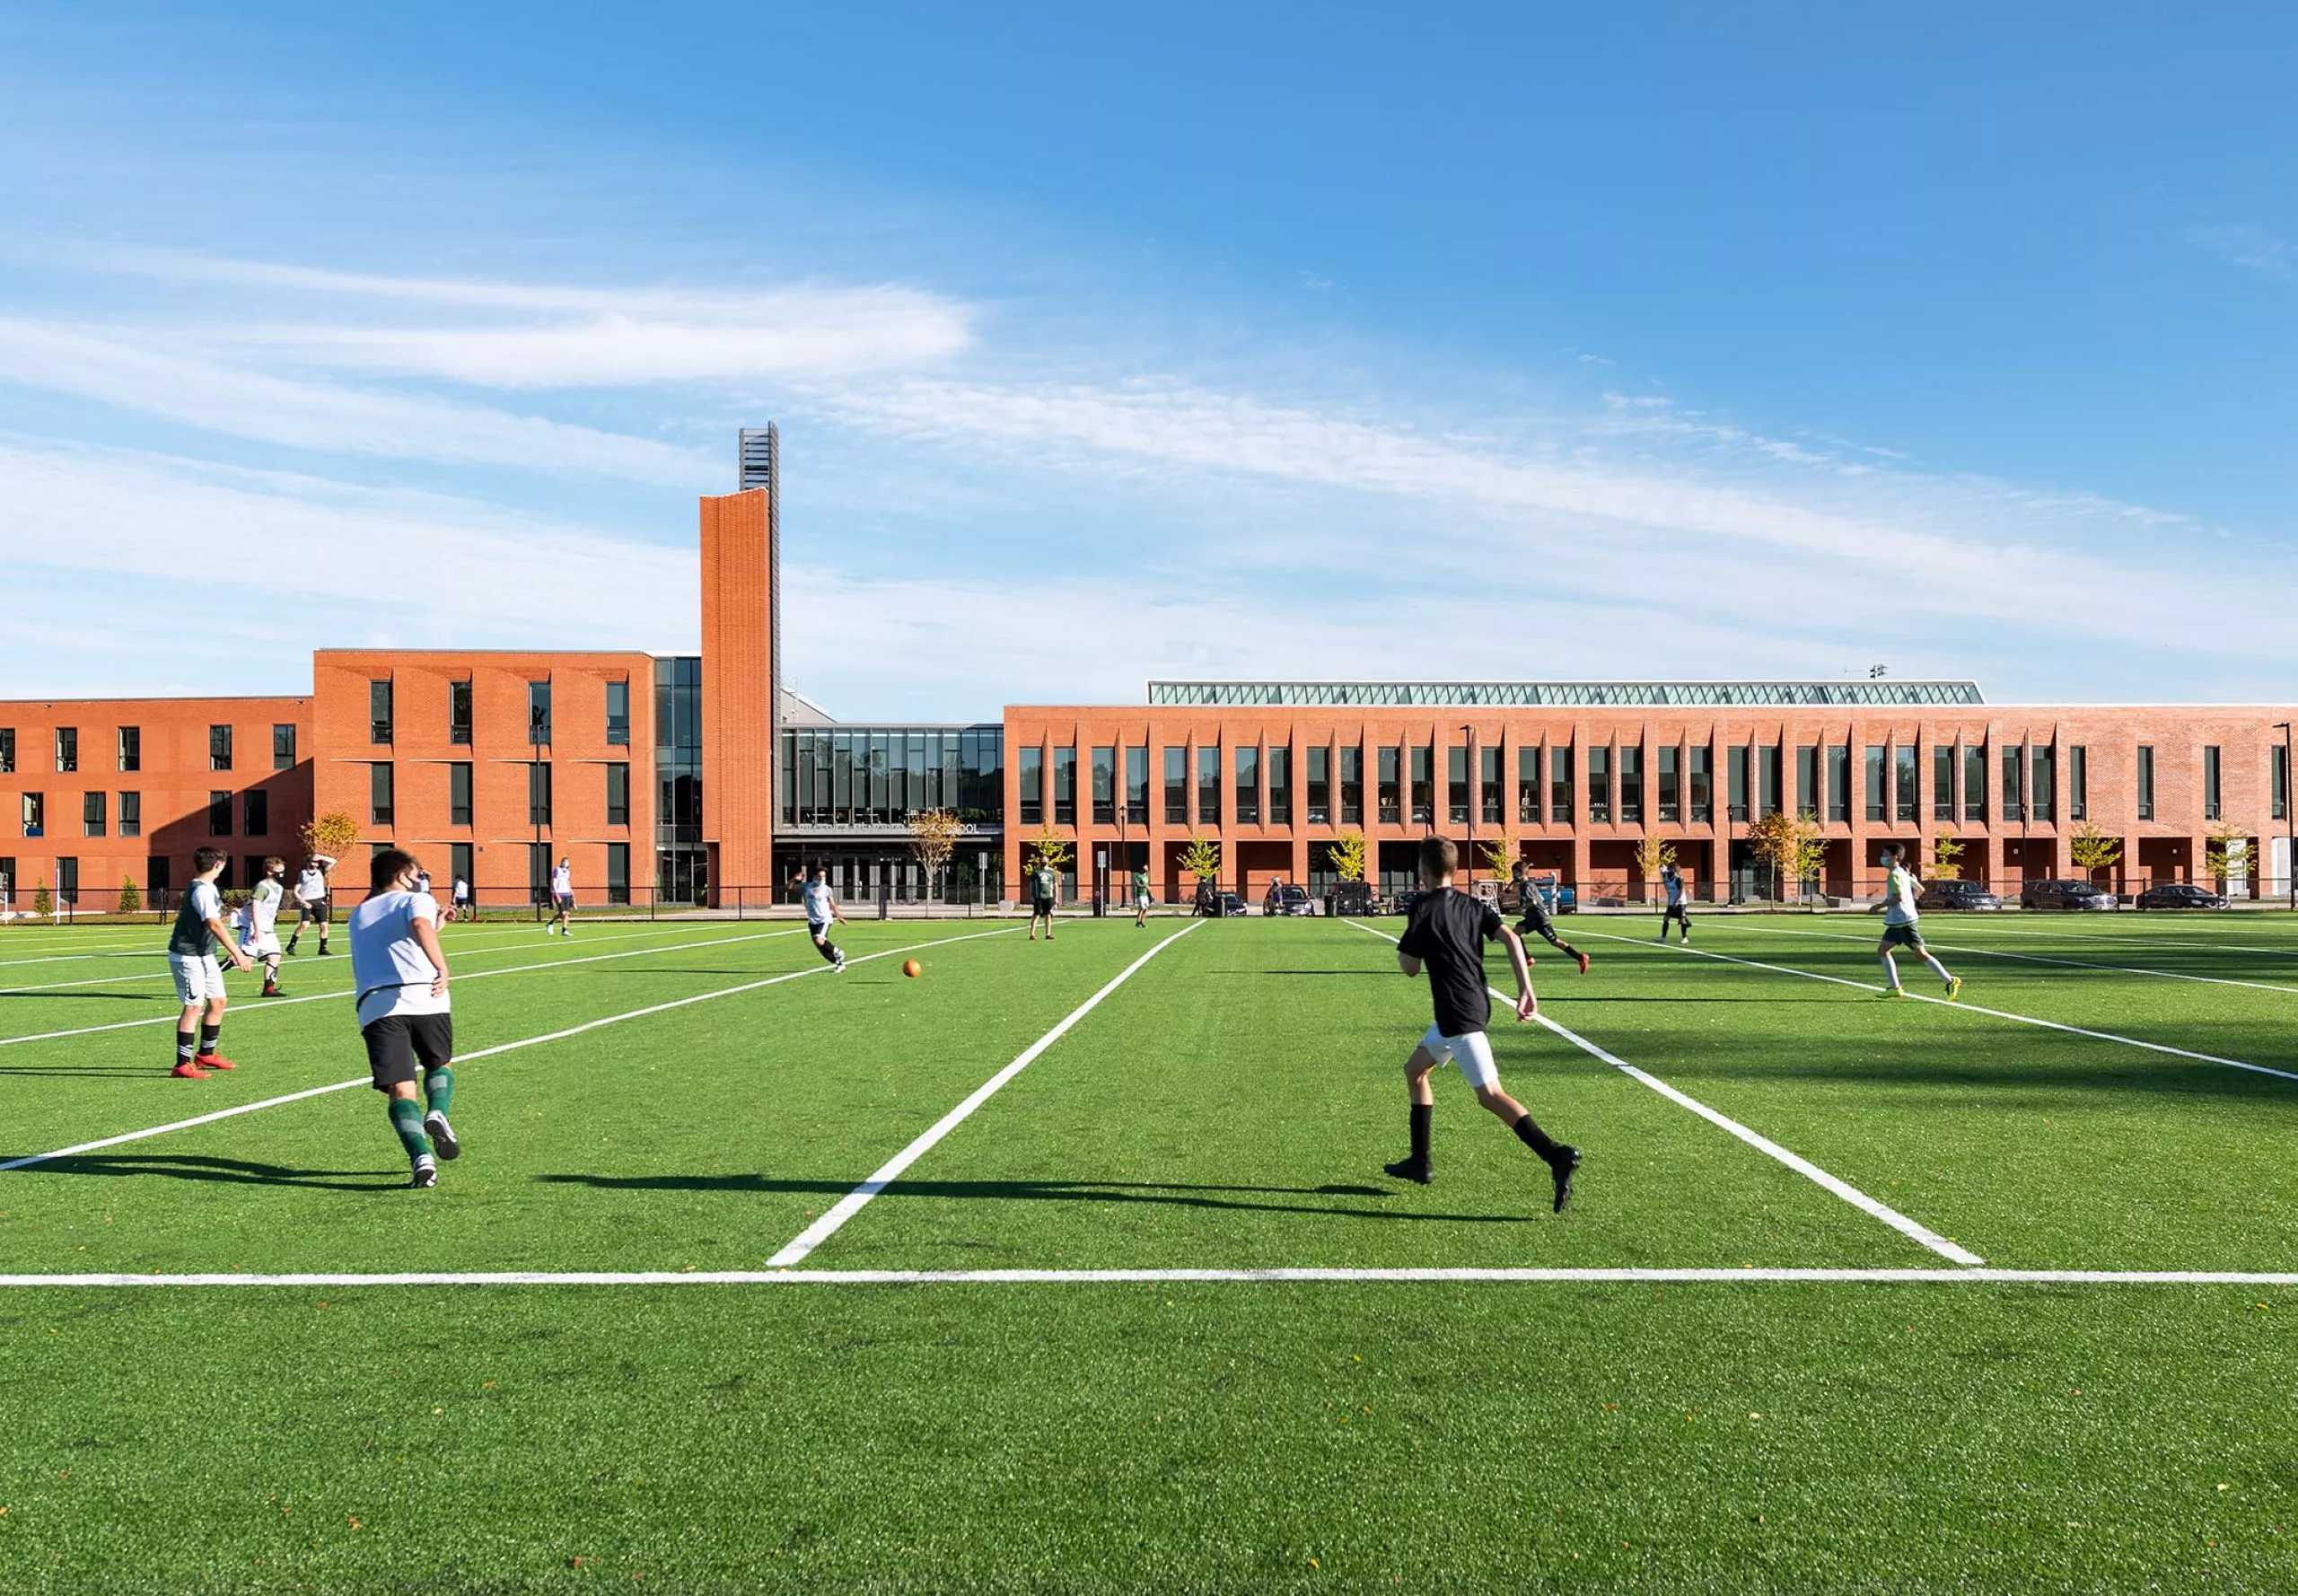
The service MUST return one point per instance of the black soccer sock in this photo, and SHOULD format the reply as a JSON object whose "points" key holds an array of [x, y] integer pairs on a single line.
{"points": [[1534, 1137], [187, 1042], [207, 1035], [829, 951], [1423, 1119]]}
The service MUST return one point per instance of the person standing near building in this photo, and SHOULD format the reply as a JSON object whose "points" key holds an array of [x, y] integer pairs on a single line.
{"points": [[398, 974], [1141, 897], [260, 919], [1901, 928], [562, 899], [462, 908], [1532, 905], [199, 931], [1679, 910], [1446, 937], [821, 909], [311, 900], [1045, 892]]}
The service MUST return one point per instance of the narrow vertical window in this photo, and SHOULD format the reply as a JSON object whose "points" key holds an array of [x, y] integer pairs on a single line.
{"points": [[618, 713], [379, 727], [381, 793], [2212, 808], [2146, 782], [459, 712], [1527, 784], [283, 746], [459, 791], [131, 747]]}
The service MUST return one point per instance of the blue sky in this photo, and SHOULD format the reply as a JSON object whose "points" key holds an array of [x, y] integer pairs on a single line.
{"points": [[1512, 342]]}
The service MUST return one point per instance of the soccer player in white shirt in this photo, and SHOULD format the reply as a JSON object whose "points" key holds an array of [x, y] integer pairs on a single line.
{"points": [[462, 909], [821, 908], [259, 924], [1901, 929], [398, 973], [199, 931], [1679, 910], [311, 898], [562, 899]]}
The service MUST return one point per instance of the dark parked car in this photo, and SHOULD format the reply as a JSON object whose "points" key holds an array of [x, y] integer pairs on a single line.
{"points": [[2067, 895], [1350, 897], [1220, 905], [1954, 895], [1288, 900], [2181, 895]]}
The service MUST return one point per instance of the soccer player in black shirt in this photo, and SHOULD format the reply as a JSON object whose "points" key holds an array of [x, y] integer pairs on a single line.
{"points": [[1537, 920], [1447, 935]]}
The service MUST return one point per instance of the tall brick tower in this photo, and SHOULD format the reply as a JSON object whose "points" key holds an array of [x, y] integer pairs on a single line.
{"points": [[741, 558]]}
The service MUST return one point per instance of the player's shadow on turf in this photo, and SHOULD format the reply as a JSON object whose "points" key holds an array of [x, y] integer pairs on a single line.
{"points": [[1162, 1193], [52, 995], [237, 1171]]}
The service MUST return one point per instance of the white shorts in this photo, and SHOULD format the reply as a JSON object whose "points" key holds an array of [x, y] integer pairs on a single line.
{"points": [[1142, 901], [198, 979], [1470, 1053], [261, 947]]}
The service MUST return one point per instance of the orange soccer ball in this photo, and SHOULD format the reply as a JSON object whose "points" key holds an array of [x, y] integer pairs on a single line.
{"points": [[910, 967]]}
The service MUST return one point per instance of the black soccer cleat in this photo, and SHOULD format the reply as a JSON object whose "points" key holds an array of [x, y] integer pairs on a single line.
{"points": [[1562, 1163], [1409, 1169]]}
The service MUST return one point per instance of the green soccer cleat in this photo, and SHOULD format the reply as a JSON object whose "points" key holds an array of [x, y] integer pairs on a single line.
{"points": [[1954, 988], [1890, 992]]}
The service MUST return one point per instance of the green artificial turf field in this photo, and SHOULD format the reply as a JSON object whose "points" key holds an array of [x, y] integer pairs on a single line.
{"points": [[1203, 1343]]}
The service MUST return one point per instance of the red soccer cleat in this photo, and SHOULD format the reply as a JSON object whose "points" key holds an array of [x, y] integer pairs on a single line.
{"points": [[216, 1061], [1583, 964], [189, 1072]]}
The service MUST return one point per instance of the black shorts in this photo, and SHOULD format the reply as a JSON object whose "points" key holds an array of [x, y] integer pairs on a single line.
{"points": [[1677, 911], [1040, 905], [1903, 936], [396, 1042], [1536, 922], [819, 930], [563, 901], [314, 910]]}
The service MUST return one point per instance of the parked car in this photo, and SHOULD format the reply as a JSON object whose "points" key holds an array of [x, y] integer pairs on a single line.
{"points": [[1349, 898], [1404, 901], [2181, 895], [1288, 900], [2066, 895], [1955, 895], [1219, 906]]}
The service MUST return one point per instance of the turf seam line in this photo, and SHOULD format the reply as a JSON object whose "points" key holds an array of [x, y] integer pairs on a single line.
{"points": [[806, 1241], [2127, 969], [679, 1003], [1599, 1276], [1973, 1008], [261, 1006], [1913, 1230]]}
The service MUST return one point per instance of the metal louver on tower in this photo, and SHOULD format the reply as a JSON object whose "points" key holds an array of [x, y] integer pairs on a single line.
{"points": [[758, 458]]}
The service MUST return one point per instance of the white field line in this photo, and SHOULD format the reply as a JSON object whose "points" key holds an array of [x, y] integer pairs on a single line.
{"points": [[1971, 1008], [2143, 939], [1921, 1234], [455, 946], [531, 1041], [854, 1201], [2129, 970], [342, 992], [1277, 1276]]}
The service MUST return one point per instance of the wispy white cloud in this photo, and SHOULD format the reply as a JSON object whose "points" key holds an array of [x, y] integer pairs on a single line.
{"points": [[2247, 244]]}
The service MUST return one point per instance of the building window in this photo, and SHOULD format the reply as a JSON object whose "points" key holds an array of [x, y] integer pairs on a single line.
{"points": [[1176, 787], [2145, 783], [1903, 770], [1671, 781], [1528, 785], [219, 747], [1703, 786], [2212, 809], [1839, 782], [458, 856], [131, 814], [1102, 774], [618, 793], [1248, 775], [1423, 785], [2078, 783], [1768, 773], [539, 714], [1943, 782], [2015, 783], [131, 747], [618, 720], [34, 809], [1456, 786], [1600, 785], [1390, 790], [1280, 787], [2281, 761], [1033, 784], [618, 872], [1208, 786], [459, 712], [538, 793], [219, 814], [1136, 785], [1492, 799], [1559, 785], [7, 750], [379, 710], [8, 882], [538, 872], [1352, 784], [1065, 786], [1879, 802], [159, 874], [93, 821], [255, 807], [1807, 782], [380, 794], [1319, 787], [68, 749], [459, 791], [1973, 785], [67, 880], [283, 746], [1631, 784], [2042, 792]]}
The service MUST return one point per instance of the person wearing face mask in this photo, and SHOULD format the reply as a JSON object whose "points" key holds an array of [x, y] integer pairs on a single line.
{"points": [[398, 972]]}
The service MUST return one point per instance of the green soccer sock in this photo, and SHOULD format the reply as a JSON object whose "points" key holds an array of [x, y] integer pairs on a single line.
{"points": [[439, 1088], [406, 1120]]}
